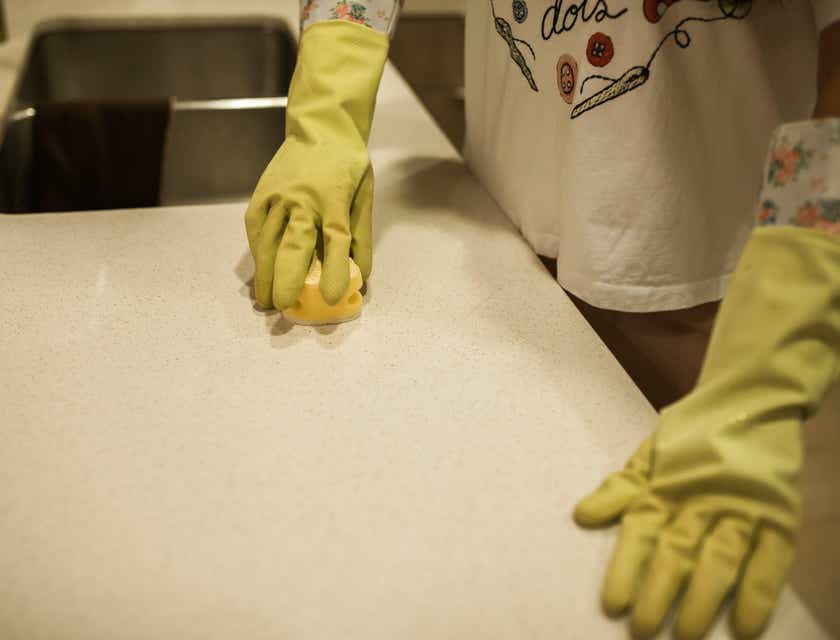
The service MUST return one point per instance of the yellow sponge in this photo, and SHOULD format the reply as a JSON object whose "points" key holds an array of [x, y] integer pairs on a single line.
{"points": [[312, 309]]}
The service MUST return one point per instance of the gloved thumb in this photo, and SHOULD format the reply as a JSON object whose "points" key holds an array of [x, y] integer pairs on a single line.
{"points": [[617, 492]]}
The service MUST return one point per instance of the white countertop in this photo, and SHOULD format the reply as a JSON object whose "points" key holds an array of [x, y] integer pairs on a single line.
{"points": [[175, 464]]}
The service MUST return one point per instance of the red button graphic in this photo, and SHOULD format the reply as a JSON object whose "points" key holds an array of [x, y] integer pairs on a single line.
{"points": [[599, 50]]}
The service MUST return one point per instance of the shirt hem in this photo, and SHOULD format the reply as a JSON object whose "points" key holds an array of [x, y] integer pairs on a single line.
{"points": [[631, 298]]}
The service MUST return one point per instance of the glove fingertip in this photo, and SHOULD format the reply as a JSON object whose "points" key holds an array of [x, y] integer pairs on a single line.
{"points": [[762, 584], [693, 622], [746, 628], [642, 628], [601, 507], [364, 262], [283, 297], [333, 289], [335, 273], [266, 305], [263, 294], [590, 512], [614, 603], [683, 632], [750, 617]]}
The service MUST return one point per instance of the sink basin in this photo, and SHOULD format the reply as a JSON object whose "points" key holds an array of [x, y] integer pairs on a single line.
{"points": [[193, 60], [227, 82]]}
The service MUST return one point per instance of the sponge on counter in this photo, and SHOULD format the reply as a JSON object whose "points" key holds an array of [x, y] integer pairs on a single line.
{"points": [[312, 309]]}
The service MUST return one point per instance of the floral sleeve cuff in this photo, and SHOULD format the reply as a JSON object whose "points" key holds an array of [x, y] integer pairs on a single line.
{"points": [[381, 15], [802, 181]]}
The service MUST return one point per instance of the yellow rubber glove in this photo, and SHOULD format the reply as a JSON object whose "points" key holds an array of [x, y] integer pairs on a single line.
{"points": [[321, 179], [711, 501]]}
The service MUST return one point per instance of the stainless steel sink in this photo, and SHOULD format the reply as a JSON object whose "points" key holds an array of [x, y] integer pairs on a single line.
{"points": [[227, 82]]}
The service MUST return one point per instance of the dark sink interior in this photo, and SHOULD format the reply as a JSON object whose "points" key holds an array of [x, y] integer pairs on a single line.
{"points": [[226, 83], [191, 61]]}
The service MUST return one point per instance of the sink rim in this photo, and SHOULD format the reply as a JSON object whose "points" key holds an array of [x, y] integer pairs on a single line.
{"points": [[220, 104], [146, 21]]}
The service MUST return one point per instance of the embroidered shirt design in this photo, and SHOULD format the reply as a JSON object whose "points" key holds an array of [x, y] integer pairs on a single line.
{"points": [[506, 32], [637, 76]]}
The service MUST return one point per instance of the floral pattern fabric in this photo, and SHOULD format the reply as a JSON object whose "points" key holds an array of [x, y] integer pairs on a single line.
{"points": [[381, 15], [802, 179]]}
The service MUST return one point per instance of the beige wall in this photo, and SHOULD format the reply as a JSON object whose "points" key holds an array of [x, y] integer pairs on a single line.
{"points": [[434, 6]]}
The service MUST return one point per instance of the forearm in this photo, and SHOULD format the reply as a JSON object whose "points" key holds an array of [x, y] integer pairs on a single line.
{"points": [[380, 15]]}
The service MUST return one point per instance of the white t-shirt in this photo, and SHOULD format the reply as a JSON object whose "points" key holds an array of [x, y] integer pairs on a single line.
{"points": [[626, 138]]}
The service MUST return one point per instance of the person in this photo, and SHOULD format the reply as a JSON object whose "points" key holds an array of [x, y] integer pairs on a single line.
{"points": [[627, 142]]}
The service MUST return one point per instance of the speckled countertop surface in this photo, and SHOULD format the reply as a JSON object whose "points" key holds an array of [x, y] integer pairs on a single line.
{"points": [[177, 465]]}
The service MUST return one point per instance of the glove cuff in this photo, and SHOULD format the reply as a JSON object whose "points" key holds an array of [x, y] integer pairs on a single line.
{"points": [[778, 330], [334, 87]]}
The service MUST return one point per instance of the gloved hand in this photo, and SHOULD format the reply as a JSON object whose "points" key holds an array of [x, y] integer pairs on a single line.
{"points": [[319, 185], [711, 501]]}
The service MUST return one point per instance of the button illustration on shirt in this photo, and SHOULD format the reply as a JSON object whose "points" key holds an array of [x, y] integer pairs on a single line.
{"points": [[520, 11], [504, 29], [567, 73], [600, 50]]}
